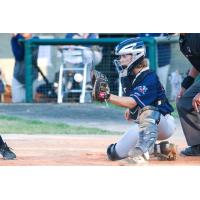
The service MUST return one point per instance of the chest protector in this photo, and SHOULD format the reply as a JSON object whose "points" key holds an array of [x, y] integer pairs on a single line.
{"points": [[128, 83]]}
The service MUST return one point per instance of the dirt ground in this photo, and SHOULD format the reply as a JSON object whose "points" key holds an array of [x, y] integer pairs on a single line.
{"points": [[80, 150], [43, 150]]}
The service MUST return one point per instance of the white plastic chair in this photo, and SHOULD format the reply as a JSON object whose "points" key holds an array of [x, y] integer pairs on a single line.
{"points": [[71, 57]]}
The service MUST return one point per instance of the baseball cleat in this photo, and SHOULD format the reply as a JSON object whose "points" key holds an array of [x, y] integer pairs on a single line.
{"points": [[6, 152], [136, 156]]}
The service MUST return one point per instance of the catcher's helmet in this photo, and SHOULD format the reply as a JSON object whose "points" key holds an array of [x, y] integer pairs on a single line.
{"points": [[134, 47]]}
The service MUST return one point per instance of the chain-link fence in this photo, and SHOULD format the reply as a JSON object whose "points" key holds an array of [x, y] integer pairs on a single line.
{"points": [[55, 57], [63, 69], [172, 66]]}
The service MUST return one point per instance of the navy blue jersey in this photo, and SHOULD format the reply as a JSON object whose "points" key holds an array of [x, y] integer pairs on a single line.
{"points": [[18, 50], [17, 47], [146, 90]]}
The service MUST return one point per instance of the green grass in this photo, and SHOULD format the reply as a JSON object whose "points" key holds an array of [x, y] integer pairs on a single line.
{"points": [[175, 113], [16, 125]]}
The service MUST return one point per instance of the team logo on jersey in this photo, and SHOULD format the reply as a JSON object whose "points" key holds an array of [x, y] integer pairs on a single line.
{"points": [[142, 89]]}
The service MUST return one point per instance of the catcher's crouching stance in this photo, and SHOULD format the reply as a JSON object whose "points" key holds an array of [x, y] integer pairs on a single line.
{"points": [[146, 103]]}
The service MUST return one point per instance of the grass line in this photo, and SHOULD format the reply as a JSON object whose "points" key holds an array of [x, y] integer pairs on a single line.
{"points": [[17, 125]]}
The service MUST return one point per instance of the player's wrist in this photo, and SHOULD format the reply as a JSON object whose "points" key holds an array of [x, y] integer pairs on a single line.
{"points": [[108, 97], [187, 82]]}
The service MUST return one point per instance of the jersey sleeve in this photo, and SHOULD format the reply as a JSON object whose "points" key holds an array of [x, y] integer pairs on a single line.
{"points": [[145, 93]]}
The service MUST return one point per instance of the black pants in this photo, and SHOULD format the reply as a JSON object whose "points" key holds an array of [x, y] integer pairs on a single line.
{"points": [[188, 116]]}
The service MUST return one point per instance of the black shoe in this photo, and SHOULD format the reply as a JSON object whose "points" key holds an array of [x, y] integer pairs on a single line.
{"points": [[192, 151], [6, 152]]}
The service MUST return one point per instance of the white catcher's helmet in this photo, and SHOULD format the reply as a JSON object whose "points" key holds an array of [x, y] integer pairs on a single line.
{"points": [[136, 48]]}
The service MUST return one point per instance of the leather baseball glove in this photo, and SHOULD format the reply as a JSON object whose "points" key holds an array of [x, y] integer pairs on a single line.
{"points": [[165, 151], [101, 90]]}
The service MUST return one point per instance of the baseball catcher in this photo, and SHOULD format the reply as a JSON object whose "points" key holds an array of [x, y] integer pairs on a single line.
{"points": [[146, 103]]}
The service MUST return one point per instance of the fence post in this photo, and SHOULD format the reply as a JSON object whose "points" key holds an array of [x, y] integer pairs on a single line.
{"points": [[152, 50], [28, 71]]}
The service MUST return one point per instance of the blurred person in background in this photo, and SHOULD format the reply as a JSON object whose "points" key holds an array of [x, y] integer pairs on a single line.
{"points": [[18, 81], [93, 53], [5, 151], [175, 80], [2, 85]]}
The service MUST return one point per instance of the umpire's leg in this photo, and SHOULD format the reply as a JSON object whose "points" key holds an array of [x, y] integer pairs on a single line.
{"points": [[188, 116]]}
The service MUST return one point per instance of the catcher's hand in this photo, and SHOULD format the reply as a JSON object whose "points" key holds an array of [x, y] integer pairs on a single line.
{"points": [[101, 90], [165, 151]]}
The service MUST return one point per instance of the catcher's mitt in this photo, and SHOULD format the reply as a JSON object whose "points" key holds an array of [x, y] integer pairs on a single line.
{"points": [[101, 90], [165, 151]]}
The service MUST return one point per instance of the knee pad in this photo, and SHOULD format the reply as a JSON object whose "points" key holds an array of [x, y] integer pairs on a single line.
{"points": [[112, 154], [149, 117], [149, 114]]}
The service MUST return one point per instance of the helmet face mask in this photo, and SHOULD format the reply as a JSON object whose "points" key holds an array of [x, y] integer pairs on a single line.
{"points": [[131, 53], [122, 62]]}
